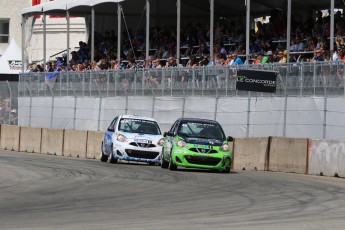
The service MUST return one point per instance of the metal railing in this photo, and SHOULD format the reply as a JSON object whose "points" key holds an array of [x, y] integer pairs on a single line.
{"points": [[294, 79]]}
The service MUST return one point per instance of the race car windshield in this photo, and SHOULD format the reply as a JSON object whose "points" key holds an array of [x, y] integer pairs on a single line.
{"points": [[201, 130], [139, 126]]}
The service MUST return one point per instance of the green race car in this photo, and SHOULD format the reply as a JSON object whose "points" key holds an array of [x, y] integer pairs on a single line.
{"points": [[196, 143]]}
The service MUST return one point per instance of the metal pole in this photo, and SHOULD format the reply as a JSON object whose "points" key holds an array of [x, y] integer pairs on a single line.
{"points": [[147, 32], [288, 34], [92, 33], [23, 44], [285, 115], [44, 41], [331, 39], [248, 116], [10, 107], [324, 117], [211, 28], [178, 32], [247, 2], [68, 35], [119, 33]]}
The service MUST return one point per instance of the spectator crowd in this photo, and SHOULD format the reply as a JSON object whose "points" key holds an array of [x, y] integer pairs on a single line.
{"points": [[309, 43]]}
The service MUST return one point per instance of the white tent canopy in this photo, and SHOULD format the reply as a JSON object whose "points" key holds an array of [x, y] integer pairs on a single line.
{"points": [[11, 60]]}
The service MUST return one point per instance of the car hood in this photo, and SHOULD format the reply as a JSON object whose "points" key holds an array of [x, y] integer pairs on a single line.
{"points": [[214, 142]]}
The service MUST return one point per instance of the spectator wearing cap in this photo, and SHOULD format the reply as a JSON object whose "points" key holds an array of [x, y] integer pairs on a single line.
{"points": [[269, 56]]}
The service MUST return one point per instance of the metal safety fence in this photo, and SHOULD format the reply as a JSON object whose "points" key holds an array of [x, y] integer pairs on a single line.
{"points": [[294, 79]]}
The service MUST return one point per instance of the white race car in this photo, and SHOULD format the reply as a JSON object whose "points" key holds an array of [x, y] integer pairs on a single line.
{"points": [[132, 138]]}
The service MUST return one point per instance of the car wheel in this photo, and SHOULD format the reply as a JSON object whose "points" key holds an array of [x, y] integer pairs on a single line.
{"points": [[171, 165], [227, 170], [104, 158], [164, 164], [112, 159]]}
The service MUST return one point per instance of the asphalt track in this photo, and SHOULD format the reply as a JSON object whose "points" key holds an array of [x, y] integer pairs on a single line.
{"points": [[51, 192]]}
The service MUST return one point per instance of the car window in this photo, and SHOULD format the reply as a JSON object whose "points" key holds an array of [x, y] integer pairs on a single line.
{"points": [[139, 126], [201, 130], [174, 127], [112, 125]]}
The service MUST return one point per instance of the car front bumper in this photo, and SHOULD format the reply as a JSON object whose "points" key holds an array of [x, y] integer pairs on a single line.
{"points": [[133, 153], [219, 161]]}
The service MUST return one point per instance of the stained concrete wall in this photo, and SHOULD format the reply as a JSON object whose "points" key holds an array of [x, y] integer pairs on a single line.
{"points": [[327, 157], [10, 137], [94, 143], [30, 139], [52, 141], [288, 155], [75, 143], [250, 153]]}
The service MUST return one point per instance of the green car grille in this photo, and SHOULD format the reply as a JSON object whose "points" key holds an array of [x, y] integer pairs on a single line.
{"points": [[199, 150], [202, 160]]}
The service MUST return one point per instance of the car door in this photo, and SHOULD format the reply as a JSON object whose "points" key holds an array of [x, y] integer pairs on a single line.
{"points": [[108, 141]]}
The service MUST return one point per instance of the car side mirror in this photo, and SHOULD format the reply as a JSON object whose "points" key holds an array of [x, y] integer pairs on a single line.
{"points": [[111, 130], [230, 139], [169, 134]]}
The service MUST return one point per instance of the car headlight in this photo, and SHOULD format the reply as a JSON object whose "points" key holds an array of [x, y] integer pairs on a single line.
{"points": [[121, 138], [160, 142], [181, 144], [225, 148]]}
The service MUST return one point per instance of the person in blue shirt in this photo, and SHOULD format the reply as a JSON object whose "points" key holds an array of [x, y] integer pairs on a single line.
{"points": [[237, 60]]}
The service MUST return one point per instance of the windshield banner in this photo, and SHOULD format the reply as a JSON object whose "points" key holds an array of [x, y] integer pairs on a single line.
{"points": [[257, 81]]}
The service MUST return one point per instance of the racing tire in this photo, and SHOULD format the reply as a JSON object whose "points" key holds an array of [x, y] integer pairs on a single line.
{"points": [[104, 158], [172, 166], [227, 170], [112, 159], [164, 164]]}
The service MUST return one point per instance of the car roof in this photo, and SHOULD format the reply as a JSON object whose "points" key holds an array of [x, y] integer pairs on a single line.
{"points": [[137, 117], [198, 120]]}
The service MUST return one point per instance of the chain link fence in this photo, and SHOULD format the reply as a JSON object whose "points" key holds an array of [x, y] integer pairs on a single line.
{"points": [[9, 102], [295, 79]]}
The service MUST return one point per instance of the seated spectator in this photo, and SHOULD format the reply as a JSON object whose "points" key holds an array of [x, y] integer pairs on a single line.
{"points": [[171, 62], [237, 60], [318, 56]]}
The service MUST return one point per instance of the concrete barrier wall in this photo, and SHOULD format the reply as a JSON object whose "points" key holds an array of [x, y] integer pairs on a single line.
{"points": [[75, 143], [52, 141], [30, 139], [250, 153], [327, 158], [10, 137], [94, 142], [288, 155]]}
